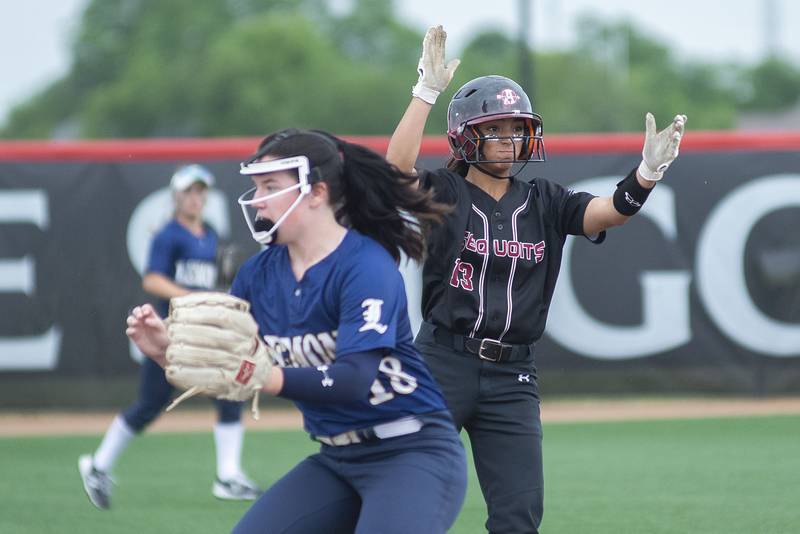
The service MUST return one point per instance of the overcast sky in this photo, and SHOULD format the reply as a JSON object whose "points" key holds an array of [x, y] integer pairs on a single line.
{"points": [[35, 34]]}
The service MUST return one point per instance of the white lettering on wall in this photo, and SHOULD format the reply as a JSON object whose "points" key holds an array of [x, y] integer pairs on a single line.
{"points": [[665, 294], [720, 265], [18, 275]]}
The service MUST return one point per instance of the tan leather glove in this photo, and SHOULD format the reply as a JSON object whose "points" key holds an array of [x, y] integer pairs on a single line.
{"points": [[215, 349]]}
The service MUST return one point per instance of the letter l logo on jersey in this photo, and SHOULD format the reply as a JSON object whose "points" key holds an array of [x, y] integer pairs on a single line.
{"points": [[372, 316]]}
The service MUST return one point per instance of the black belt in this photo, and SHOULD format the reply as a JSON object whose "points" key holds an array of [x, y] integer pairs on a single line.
{"points": [[485, 349]]}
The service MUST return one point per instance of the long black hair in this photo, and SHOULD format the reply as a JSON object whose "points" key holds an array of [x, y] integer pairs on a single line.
{"points": [[368, 193]]}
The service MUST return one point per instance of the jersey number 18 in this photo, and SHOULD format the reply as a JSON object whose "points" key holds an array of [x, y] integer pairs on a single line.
{"points": [[401, 382]]}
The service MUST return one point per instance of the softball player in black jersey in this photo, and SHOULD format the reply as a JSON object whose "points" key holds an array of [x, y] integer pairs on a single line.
{"points": [[492, 267]]}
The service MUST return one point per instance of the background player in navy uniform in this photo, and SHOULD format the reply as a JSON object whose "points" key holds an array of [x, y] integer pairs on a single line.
{"points": [[488, 281], [330, 305], [182, 259]]}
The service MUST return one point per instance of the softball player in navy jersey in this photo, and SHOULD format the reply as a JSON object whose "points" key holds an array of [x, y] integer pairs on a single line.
{"points": [[330, 302], [182, 259], [492, 267]]}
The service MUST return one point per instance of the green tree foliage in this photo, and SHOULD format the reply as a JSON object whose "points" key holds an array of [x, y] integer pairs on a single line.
{"points": [[775, 85], [145, 68], [641, 74], [279, 70]]}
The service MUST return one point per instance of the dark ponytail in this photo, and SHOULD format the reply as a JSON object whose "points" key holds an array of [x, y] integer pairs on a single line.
{"points": [[379, 200], [368, 193]]}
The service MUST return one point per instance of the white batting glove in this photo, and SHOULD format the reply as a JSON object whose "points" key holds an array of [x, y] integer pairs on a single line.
{"points": [[434, 75], [660, 148]]}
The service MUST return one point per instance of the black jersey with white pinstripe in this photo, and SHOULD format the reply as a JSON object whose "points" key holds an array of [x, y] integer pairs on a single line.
{"points": [[492, 266]]}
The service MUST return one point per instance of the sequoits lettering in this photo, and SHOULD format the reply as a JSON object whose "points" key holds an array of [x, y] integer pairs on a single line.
{"points": [[506, 247]]}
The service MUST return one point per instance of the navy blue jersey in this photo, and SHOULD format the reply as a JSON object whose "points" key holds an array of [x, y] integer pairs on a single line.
{"points": [[352, 301], [181, 256]]}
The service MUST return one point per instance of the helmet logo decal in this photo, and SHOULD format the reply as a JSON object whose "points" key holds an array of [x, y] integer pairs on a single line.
{"points": [[508, 96]]}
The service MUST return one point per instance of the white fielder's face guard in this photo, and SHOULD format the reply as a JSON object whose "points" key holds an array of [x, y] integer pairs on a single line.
{"points": [[299, 164]]}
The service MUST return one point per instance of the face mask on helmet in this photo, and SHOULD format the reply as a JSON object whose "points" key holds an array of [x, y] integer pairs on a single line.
{"points": [[264, 230], [528, 141], [491, 98]]}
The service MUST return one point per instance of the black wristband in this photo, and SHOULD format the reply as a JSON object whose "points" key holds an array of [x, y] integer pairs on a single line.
{"points": [[630, 195]]}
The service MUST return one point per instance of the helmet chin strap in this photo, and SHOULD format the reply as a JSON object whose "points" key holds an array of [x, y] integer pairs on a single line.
{"points": [[499, 177]]}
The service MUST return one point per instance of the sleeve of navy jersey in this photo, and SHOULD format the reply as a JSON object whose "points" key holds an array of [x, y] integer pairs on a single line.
{"points": [[565, 207], [369, 303]]}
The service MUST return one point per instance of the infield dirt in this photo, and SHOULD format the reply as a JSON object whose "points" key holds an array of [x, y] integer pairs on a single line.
{"points": [[555, 411]]}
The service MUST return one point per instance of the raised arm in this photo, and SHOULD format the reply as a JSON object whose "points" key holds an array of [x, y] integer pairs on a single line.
{"points": [[660, 150], [434, 77], [407, 137]]}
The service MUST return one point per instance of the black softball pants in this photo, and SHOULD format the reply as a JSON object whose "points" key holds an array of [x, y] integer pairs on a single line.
{"points": [[498, 405]]}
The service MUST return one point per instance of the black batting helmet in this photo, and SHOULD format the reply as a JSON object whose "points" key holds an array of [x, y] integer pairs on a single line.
{"points": [[485, 99]]}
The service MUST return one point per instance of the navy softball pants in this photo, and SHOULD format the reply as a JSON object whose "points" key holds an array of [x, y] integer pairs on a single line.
{"points": [[154, 396], [408, 484]]}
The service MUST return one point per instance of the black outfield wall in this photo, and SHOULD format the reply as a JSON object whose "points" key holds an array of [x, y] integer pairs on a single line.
{"points": [[700, 293]]}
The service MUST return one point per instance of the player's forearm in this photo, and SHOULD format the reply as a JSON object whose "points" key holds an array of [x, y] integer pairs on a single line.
{"points": [[274, 383], [406, 140], [346, 380], [159, 357], [605, 212], [600, 215], [162, 287]]}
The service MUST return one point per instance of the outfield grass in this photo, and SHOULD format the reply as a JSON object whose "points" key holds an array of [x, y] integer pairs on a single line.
{"points": [[736, 475]]}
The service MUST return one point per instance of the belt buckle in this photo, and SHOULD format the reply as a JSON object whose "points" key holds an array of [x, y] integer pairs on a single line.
{"points": [[492, 343]]}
